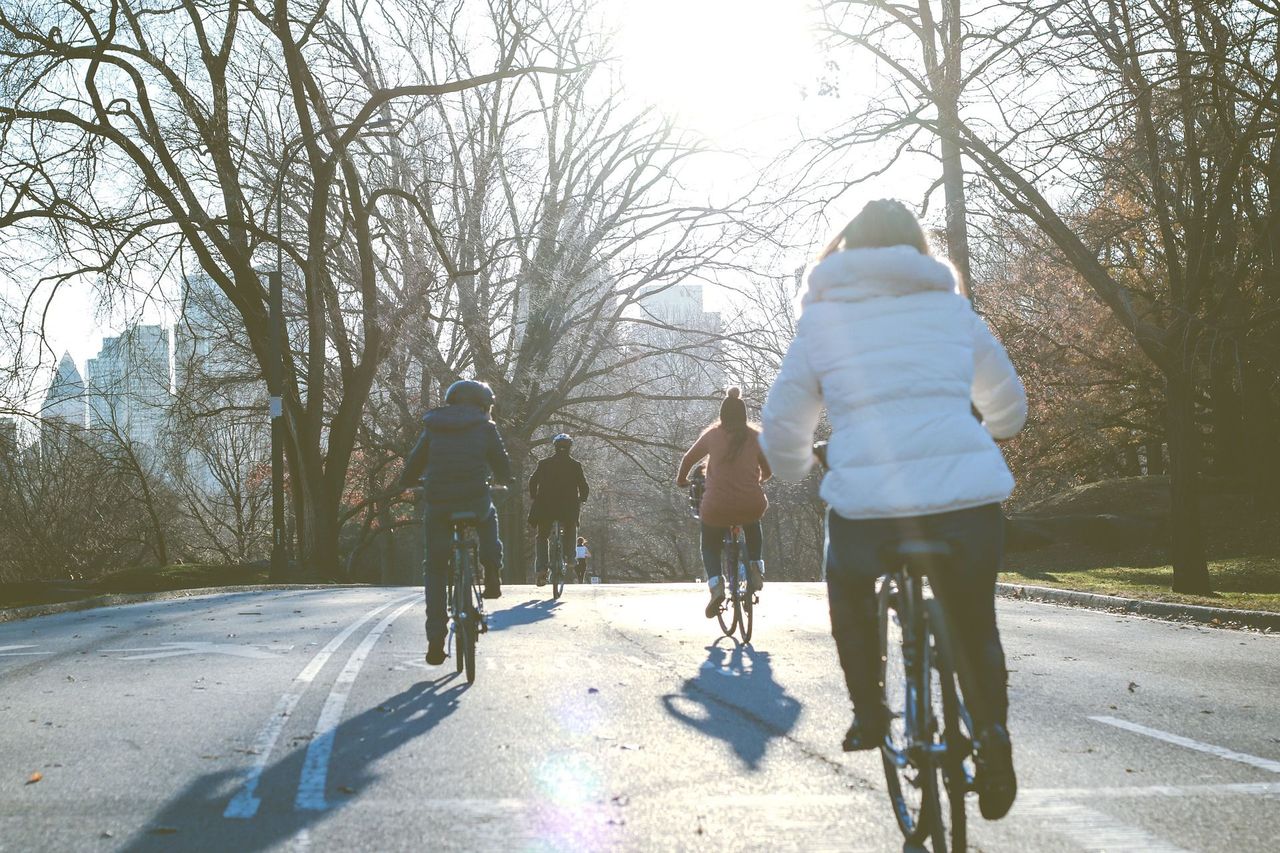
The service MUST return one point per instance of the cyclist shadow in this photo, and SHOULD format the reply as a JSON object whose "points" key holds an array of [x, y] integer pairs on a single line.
{"points": [[734, 698], [358, 744], [524, 613]]}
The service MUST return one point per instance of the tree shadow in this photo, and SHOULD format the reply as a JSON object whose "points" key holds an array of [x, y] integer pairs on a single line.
{"points": [[524, 613], [194, 817], [734, 698]]}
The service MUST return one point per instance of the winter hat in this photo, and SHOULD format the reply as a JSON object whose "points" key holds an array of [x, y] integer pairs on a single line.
{"points": [[733, 412]]}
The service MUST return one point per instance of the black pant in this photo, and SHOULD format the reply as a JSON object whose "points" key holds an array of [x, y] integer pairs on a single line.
{"points": [[568, 543], [438, 531], [855, 560], [713, 545]]}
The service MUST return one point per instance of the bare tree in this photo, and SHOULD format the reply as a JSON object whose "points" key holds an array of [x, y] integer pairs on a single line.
{"points": [[136, 130]]}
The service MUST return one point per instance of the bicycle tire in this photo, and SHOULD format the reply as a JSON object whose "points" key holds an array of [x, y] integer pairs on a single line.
{"points": [[557, 562], [728, 579], [912, 787], [958, 726], [746, 604]]}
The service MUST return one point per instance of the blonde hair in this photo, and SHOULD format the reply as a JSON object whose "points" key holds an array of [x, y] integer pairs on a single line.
{"points": [[883, 222]]}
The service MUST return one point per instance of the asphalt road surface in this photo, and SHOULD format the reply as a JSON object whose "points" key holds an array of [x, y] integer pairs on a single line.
{"points": [[613, 719]]}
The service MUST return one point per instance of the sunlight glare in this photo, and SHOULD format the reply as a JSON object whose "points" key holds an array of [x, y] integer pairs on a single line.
{"points": [[718, 67]]}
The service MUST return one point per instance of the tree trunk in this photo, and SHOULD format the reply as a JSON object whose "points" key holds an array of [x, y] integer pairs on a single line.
{"points": [[1186, 545], [1230, 459], [1262, 439], [512, 518], [318, 535]]}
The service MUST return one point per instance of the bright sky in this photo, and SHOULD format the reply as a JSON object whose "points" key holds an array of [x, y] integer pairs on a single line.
{"points": [[742, 73]]}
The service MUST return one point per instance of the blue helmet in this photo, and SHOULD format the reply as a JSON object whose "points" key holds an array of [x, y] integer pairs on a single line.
{"points": [[469, 392]]}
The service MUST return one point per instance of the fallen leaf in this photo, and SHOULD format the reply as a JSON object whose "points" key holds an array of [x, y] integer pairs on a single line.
{"points": [[346, 789], [107, 834], [163, 830], [35, 777], [1133, 686], [593, 690]]}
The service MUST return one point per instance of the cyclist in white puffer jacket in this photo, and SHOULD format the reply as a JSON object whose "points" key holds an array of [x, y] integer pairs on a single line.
{"points": [[891, 346]]}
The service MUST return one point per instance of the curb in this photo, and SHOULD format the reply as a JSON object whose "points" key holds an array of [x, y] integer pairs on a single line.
{"points": [[14, 614], [1220, 617]]}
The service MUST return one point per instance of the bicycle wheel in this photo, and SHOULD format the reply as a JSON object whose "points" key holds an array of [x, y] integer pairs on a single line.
{"points": [[730, 610], [957, 729], [909, 769], [557, 562], [746, 607]]}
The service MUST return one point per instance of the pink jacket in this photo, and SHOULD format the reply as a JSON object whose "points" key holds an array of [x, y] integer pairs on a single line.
{"points": [[734, 494]]}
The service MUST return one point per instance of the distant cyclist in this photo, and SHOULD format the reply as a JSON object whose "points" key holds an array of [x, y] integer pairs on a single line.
{"points": [[888, 343], [558, 488], [457, 455], [583, 554], [734, 495]]}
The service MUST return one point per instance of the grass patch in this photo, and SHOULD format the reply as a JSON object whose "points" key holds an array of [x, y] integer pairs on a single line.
{"points": [[1244, 583]]}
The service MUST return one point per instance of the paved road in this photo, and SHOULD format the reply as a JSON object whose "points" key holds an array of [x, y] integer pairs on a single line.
{"points": [[307, 720]]}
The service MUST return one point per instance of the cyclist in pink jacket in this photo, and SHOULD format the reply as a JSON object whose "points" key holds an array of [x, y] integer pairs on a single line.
{"points": [[890, 345], [734, 495]]}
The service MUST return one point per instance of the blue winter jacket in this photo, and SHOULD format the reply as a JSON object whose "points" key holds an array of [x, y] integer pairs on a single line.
{"points": [[457, 455]]}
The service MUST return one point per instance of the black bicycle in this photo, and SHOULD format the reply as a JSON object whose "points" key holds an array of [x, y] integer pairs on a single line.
{"points": [[467, 616], [928, 689], [556, 569], [737, 610], [928, 753]]}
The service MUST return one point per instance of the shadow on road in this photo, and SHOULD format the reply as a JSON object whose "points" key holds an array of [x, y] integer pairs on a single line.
{"points": [[193, 819], [524, 613], [735, 699]]}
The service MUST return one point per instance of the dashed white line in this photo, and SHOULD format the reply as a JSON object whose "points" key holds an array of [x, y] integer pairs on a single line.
{"points": [[245, 803], [315, 767], [1187, 743], [14, 651]]}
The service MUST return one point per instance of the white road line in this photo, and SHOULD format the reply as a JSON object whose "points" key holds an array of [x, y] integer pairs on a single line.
{"points": [[1031, 797], [315, 767], [13, 651], [245, 803], [1094, 831], [1188, 743]]}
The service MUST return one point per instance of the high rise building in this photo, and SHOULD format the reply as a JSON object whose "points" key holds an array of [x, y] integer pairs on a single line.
{"points": [[8, 436], [64, 404], [128, 385]]}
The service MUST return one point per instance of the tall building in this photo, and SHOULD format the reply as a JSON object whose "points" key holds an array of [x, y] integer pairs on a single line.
{"points": [[128, 385], [64, 404], [8, 436]]}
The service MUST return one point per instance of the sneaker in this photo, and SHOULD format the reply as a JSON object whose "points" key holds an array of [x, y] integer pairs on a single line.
{"points": [[717, 597], [542, 578], [993, 777], [862, 736], [493, 590], [435, 652], [755, 576]]}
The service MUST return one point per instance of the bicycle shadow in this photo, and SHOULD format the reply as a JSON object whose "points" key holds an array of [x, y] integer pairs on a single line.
{"points": [[524, 613], [734, 698], [193, 816]]}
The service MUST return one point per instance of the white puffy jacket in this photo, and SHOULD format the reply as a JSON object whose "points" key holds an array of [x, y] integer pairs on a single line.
{"points": [[896, 354]]}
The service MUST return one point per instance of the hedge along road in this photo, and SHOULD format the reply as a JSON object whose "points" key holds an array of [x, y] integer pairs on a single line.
{"points": [[306, 719]]}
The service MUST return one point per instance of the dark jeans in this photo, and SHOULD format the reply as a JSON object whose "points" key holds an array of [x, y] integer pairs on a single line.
{"points": [[439, 554], [568, 543], [713, 545], [854, 562]]}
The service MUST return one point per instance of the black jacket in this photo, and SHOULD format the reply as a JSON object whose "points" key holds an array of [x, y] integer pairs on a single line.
{"points": [[457, 454], [558, 488]]}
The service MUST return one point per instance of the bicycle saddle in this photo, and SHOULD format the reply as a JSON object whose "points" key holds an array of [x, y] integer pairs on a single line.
{"points": [[918, 555]]}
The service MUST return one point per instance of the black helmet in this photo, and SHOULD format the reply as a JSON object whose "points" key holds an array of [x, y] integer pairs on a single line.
{"points": [[469, 392], [562, 440]]}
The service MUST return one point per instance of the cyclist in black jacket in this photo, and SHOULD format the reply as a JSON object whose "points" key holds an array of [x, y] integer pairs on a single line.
{"points": [[457, 455], [558, 488]]}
